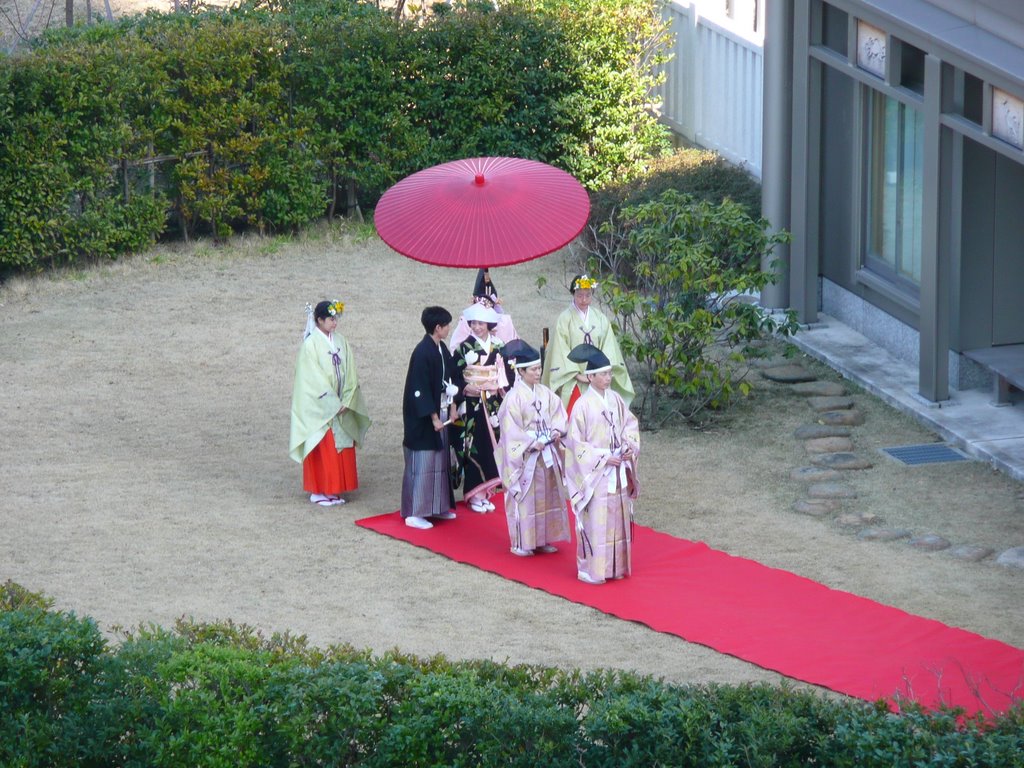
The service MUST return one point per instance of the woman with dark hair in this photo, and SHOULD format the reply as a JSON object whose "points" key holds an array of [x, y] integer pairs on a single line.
{"points": [[484, 377], [485, 293], [329, 415], [428, 406]]}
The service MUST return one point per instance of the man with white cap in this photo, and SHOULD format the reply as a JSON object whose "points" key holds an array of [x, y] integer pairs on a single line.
{"points": [[533, 423], [602, 447]]}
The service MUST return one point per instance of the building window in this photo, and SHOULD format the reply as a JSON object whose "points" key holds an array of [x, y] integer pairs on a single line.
{"points": [[834, 23], [974, 98], [911, 67], [894, 191]]}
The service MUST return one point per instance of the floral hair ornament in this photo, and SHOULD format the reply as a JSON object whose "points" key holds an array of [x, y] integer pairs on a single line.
{"points": [[582, 281], [336, 308]]}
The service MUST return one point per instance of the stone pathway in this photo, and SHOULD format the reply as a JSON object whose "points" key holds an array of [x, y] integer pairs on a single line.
{"points": [[833, 462]]}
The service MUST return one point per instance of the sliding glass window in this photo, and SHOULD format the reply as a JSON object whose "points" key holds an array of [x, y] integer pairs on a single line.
{"points": [[894, 192]]}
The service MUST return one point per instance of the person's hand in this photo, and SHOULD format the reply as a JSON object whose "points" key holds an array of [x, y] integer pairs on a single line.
{"points": [[582, 378], [614, 461], [453, 413], [436, 420], [471, 391]]}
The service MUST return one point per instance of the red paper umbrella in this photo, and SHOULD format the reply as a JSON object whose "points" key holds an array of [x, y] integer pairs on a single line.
{"points": [[482, 212]]}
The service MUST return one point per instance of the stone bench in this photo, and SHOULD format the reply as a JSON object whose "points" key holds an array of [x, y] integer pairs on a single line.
{"points": [[1007, 366]]}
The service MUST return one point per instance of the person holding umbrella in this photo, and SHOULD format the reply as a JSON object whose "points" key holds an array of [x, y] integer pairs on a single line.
{"points": [[533, 422], [329, 416], [485, 292], [582, 323], [602, 448], [428, 406], [483, 379]]}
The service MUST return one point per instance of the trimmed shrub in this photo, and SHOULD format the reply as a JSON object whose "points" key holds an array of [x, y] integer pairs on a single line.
{"points": [[49, 663], [271, 114], [703, 174], [223, 695]]}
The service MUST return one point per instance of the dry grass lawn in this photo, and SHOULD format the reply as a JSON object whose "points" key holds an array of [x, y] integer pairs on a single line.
{"points": [[146, 477]]}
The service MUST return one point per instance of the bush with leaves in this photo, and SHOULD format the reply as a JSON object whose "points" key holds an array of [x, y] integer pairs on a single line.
{"points": [[676, 275], [63, 130], [223, 695], [704, 174]]}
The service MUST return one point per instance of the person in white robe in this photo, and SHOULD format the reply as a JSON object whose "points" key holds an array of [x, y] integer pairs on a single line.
{"points": [[602, 448], [533, 423]]}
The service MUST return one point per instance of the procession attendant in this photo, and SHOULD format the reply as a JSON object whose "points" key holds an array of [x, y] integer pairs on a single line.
{"points": [[428, 406], [484, 377], [329, 415], [582, 323], [485, 288], [533, 423], [602, 447]]}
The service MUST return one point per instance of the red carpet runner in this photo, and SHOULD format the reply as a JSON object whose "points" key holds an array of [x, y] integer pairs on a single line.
{"points": [[769, 617]]}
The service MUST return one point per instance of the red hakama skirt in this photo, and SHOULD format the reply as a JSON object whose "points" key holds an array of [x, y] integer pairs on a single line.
{"points": [[328, 472], [576, 395]]}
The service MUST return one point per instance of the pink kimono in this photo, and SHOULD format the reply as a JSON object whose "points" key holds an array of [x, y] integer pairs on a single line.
{"points": [[601, 495], [530, 467]]}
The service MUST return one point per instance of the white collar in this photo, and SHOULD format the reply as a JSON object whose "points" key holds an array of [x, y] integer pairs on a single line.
{"points": [[329, 337]]}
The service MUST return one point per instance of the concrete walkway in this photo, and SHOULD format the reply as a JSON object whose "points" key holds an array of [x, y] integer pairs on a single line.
{"points": [[968, 420]]}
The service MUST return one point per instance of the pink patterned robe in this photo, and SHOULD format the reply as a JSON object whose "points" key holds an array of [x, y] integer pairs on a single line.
{"points": [[531, 473], [602, 496]]}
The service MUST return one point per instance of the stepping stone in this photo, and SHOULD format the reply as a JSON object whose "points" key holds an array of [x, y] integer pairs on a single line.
{"points": [[829, 445], [883, 534], [850, 418], [764, 363], [929, 542], [819, 388], [814, 474], [857, 519], [971, 552], [788, 374], [1012, 558], [830, 403], [814, 431], [816, 507], [840, 461], [831, 491]]}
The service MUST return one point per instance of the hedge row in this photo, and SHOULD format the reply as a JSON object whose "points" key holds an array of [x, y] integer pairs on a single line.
{"points": [[222, 695], [264, 115]]}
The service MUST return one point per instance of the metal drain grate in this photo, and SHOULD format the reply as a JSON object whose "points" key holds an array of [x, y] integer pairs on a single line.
{"points": [[929, 453]]}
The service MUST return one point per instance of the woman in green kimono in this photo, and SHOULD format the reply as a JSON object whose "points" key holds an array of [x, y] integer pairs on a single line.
{"points": [[329, 416], [582, 323]]}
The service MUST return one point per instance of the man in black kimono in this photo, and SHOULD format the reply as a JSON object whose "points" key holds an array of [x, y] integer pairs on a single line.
{"points": [[427, 408]]}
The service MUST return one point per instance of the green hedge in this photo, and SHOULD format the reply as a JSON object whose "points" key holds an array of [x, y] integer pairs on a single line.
{"points": [[698, 172], [272, 114], [223, 695]]}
